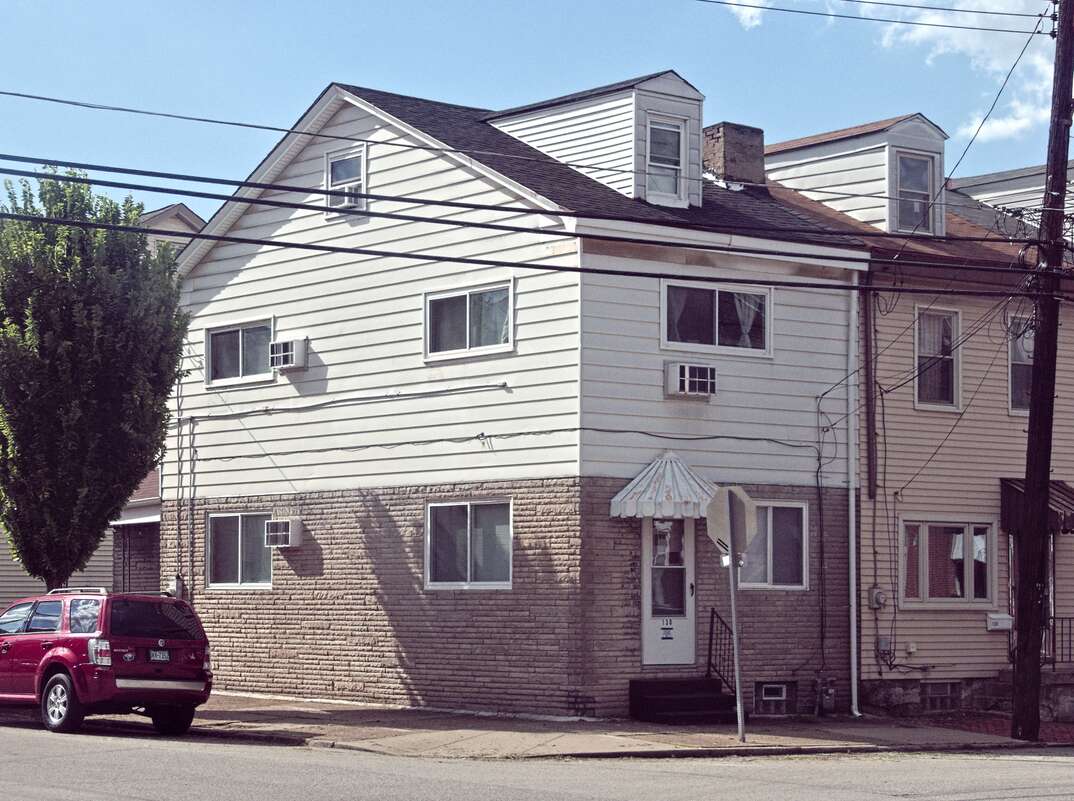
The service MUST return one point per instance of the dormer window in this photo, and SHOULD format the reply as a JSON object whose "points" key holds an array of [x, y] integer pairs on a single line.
{"points": [[665, 160], [344, 174], [914, 207]]}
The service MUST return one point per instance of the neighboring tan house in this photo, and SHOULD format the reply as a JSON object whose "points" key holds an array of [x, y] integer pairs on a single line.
{"points": [[944, 394], [110, 566], [469, 462]]}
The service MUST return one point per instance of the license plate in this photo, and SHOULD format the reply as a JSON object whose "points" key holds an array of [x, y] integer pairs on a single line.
{"points": [[159, 656]]}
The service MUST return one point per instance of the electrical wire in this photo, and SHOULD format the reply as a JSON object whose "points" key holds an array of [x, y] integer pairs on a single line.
{"points": [[889, 21], [482, 262], [944, 8], [496, 207]]}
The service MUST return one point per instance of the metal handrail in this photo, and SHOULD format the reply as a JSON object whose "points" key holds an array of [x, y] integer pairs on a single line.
{"points": [[721, 657]]}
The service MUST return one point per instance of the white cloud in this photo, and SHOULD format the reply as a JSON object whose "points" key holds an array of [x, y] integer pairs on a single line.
{"points": [[748, 17]]}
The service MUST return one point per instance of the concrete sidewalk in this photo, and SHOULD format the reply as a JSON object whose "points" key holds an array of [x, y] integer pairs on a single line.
{"points": [[421, 733]]}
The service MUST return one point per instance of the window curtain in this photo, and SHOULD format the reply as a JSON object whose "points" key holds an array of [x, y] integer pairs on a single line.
{"points": [[936, 379], [676, 307], [747, 307], [489, 318]]}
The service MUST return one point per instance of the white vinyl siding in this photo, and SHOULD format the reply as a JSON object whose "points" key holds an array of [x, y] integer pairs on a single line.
{"points": [[364, 319]]}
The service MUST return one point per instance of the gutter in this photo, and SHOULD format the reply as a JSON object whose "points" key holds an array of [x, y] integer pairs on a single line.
{"points": [[852, 476]]}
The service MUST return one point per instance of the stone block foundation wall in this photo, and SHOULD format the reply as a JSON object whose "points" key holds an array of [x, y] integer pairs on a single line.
{"points": [[348, 615]]}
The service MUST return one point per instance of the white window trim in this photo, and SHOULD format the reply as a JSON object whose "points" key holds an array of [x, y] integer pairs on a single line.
{"points": [[251, 585], [688, 347], [926, 520], [469, 503], [241, 380], [681, 198], [806, 537], [956, 355], [894, 208], [336, 155], [1011, 409], [466, 353]]}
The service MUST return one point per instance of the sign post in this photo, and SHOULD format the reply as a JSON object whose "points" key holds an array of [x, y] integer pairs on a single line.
{"points": [[732, 523]]}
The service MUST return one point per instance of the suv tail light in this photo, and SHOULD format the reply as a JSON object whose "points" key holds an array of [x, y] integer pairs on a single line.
{"points": [[207, 662], [100, 652]]}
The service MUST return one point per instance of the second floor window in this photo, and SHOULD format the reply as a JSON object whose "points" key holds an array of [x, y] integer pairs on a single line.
{"points": [[345, 176], [914, 205], [937, 360], [1021, 356], [701, 318], [239, 351], [664, 167], [468, 321]]}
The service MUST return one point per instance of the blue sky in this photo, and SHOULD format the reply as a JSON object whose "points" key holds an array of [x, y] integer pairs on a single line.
{"points": [[266, 61]]}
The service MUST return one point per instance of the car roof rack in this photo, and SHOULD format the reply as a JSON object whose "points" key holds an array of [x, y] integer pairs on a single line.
{"points": [[79, 591]]}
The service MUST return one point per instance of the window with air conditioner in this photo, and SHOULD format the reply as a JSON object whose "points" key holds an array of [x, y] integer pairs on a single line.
{"points": [[344, 177], [237, 556], [238, 353]]}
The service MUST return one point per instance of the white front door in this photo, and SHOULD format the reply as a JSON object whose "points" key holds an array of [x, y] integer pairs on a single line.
{"points": [[667, 592]]}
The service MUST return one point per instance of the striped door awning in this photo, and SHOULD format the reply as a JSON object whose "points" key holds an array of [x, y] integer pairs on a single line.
{"points": [[667, 488]]}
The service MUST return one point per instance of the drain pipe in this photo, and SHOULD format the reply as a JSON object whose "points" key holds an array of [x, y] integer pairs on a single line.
{"points": [[852, 484]]}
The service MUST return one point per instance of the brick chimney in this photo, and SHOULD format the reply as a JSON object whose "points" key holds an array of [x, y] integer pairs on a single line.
{"points": [[734, 152]]}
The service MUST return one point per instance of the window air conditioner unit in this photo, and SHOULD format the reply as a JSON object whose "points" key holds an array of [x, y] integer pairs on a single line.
{"points": [[687, 380], [348, 197], [288, 354], [283, 533]]}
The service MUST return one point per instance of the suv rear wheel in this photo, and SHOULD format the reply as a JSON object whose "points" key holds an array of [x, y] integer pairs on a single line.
{"points": [[61, 710], [172, 720]]}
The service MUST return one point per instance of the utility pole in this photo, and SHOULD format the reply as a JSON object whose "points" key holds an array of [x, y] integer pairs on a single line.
{"points": [[1031, 541]]}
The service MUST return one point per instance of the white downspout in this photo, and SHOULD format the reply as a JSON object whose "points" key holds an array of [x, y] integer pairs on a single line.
{"points": [[852, 484]]}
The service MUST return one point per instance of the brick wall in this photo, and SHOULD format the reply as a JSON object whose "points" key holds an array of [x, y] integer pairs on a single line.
{"points": [[136, 558], [780, 629], [348, 616]]}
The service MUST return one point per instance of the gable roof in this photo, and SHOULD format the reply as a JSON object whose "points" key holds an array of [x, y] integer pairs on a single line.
{"points": [[585, 94], [182, 211], [845, 133], [1003, 176]]}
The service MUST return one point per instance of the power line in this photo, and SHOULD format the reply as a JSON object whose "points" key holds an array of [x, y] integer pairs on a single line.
{"points": [[945, 8], [504, 227], [833, 15], [482, 262], [509, 209]]}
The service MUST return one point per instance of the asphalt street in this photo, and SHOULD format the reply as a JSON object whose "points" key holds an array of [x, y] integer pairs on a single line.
{"points": [[35, 765]]}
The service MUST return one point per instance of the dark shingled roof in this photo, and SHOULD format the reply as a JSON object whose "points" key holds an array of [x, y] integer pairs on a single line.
{"points": [[466, 129], [834, 136]]}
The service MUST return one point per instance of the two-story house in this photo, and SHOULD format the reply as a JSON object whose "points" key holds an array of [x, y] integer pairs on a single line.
{"points": [[448, 439], [944, 396]]}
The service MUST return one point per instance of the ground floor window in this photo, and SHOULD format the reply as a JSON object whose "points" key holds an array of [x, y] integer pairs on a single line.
{"points": [[947, 562], [777, 557], [237, 554], [468, 545]]}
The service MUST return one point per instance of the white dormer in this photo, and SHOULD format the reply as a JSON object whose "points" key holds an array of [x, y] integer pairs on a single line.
{"points": [[641, 137], [899, 161]]}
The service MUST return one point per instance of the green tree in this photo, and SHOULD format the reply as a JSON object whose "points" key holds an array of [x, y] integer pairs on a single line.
{"points": [[90, 345]]}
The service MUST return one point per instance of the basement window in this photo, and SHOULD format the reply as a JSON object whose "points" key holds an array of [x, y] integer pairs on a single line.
{"points": [[941, 696]]}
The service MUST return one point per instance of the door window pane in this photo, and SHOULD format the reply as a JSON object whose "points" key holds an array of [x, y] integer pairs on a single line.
{"points": [[946, 578], [447, 544], [788, 542], [668, 569], [255, 350], [12, 620], [224, 550], [224, 353], [490, 543], [256, 558], [46, 617], [489, 317], [741, 320]]}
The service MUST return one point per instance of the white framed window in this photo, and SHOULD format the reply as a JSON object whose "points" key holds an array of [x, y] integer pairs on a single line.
{"points": [[914, 193], [711, 318], [469, 322], [468, 545], [665, 160], [937, 365], [947, 563], [1020, 362], [236, 555], [238, 353], [344, 172], [778, 557]]}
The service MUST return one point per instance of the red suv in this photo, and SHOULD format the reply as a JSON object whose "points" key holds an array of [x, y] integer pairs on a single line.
{"points": [[78, 652]]}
